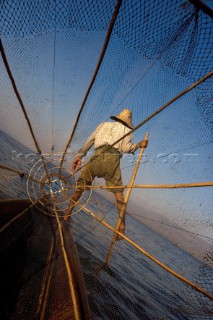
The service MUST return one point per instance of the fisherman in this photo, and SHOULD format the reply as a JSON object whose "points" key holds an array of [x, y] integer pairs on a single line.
{"points": [[105, 162]]}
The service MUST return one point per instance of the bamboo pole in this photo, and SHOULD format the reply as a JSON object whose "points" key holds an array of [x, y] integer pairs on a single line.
{"points": [[182, 93], [201, 5], [66, 262], [158, 186], [67, 266], [151, 257], [17, 217], [19, 173], [101, 57], [126, 199], [7, 67], [151, 186], [45, 287]]}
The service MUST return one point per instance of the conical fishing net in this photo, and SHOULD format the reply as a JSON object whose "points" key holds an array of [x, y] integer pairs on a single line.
{"points": [[65, 67]]}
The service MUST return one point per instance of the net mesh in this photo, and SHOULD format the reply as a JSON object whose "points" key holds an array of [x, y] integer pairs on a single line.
{"points": [[156, 50]]}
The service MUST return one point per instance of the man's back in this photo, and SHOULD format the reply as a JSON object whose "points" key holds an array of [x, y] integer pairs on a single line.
{"points": [[107, 133]]}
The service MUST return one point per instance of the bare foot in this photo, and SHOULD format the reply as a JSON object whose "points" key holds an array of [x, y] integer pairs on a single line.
{"points": [[65, 218]]}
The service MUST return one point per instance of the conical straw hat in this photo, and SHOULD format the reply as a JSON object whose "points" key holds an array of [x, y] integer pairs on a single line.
{"points": [[125, 117]]}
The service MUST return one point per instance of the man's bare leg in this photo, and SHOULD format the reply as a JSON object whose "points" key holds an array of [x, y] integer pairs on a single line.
{"points": [[120, 202], [75, 197]]}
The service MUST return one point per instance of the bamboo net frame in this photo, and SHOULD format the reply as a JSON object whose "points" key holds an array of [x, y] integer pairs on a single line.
{"points": [[18, 216], [101, 57], [159, 110], [158, 186], [126, 199], [43, 297], [138, 186], [197, 184], [10, 75], [151, 257], [68, 269]]}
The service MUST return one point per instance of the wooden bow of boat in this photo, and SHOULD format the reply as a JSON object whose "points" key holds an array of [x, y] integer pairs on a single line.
{"points": [[33, 274]]}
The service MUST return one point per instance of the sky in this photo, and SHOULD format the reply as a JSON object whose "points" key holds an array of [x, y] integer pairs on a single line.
{"points": [[53, 70]]}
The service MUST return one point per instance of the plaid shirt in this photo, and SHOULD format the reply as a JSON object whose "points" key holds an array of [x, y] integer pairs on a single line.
{"points": [[107, 133]]}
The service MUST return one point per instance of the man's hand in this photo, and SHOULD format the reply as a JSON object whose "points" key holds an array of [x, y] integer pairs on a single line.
{"points": [[76, 164], [143, 144]]}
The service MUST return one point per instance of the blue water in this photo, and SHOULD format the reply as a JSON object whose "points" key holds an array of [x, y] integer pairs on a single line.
{"points": [[133, 287]]}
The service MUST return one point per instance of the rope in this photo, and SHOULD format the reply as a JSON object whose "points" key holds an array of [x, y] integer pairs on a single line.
{"points": [[105, 45]]}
